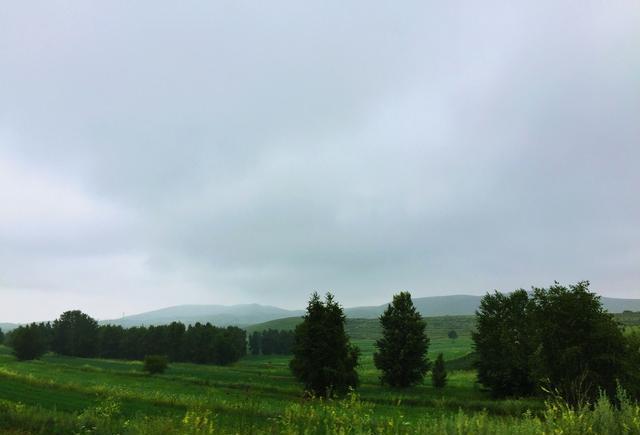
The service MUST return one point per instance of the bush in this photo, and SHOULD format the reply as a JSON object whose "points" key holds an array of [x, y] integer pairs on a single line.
{"points": [[452, 334], [155, 364]]}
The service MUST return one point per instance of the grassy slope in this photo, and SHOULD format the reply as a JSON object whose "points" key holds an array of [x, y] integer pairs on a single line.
{"points": [[437, 327], [251, 391]]}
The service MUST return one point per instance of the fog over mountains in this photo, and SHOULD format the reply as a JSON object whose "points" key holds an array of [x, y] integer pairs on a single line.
{"points": [[250, 314], [247, 314]]}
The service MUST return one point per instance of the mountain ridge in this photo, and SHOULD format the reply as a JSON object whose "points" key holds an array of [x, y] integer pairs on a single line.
{"points": [[244, 315]]}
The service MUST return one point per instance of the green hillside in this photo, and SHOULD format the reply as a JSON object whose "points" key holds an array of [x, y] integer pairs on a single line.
{"points": [[369, 329]]}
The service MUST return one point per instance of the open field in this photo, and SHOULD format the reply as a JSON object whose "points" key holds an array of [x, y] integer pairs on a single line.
{"points": [[259, 395], [251, 395], [437, 326]]}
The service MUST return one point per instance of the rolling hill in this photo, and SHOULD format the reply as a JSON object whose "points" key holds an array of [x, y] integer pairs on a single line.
{"points": [[220, 315], [251, 314]]}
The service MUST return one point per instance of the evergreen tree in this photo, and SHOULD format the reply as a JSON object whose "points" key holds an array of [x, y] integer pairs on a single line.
{"points": [[28, 342], [439, 373], [1, 336], [254, 343], [402, 350], [323, 358]]}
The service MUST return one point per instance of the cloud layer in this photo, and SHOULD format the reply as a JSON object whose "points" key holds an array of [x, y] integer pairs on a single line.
{"points": [[225, 152]]}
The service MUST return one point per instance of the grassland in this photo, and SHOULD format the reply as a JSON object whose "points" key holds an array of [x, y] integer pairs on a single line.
{"points": [[258, 395]]}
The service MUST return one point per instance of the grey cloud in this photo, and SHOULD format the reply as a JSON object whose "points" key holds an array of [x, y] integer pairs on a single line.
{"points": [[255, 152]]}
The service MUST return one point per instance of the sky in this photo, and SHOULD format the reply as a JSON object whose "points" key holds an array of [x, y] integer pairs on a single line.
{"points": [[161, 153]]}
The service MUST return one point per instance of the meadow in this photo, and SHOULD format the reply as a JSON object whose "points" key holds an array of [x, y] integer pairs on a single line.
{"points": [[259, 395]]}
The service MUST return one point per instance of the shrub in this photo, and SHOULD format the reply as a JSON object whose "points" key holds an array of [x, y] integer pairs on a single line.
{"points": [[155, 364]]}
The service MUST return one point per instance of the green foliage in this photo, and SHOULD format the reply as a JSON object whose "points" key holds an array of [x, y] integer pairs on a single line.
{"points": [[452, 334], [561, 339], [1, 336], [28, 342], [504, 344], [75, 334], [199, 343], [271, 342], [254, 343], [402, 350], [579, 347], [439, 373], [154, 364], [323, 358]]}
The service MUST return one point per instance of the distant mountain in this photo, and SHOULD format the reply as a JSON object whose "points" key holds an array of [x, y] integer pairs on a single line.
{"points": [[455, 305], [220, 315], [459, 305], [252, 314], [6, 327]]}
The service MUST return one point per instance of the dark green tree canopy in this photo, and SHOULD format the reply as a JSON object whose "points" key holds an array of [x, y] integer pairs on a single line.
{"points": [[402, 350], [29, 341], [580, 347], [323, 358], [75, 334], [560, 339], [504, 344]]}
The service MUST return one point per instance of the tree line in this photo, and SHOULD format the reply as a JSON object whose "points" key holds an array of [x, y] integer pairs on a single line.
{"points": [[271, 342], [76, 334], [556, 340]]}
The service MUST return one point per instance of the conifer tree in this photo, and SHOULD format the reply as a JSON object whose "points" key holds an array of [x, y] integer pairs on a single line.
{"points": [[323, 358], [439, 373], [402, 350]]}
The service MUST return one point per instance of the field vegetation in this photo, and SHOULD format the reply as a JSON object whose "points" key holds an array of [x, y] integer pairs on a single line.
{"points": [[259, 394]]}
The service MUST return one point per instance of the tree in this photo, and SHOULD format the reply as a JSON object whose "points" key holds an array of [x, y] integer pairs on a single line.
{"points": [[75, 334], [439, 373], [175, 339], [28, 342], [402, 350], [323, 358], [504, 345], [581, 349], [254, 343], [154, 364], [1, 336], [452, 334]]}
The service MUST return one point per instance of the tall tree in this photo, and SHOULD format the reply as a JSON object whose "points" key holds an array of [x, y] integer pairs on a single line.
{"points": [[402, 350], [503, 342], [581, 348], [254, 343], [323, 358], [75, 334], [1, 336]]}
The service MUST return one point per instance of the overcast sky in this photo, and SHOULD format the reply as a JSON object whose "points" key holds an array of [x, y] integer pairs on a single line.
{"points": [[155, 154]]}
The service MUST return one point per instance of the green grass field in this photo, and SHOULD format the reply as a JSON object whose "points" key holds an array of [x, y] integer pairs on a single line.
{"points": [[259, 395]]}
